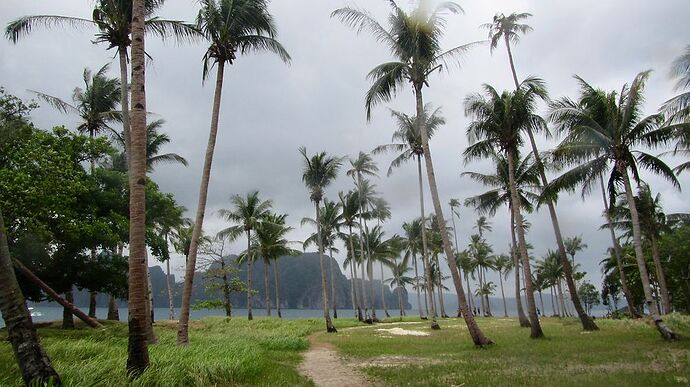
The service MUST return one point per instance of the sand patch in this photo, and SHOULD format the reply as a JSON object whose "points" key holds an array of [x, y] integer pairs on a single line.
{"points": [[402, 332]]}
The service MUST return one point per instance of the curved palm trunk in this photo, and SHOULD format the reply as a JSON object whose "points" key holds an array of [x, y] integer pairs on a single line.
{"points": [[267, 293], [183, 328], [171, 306], [277, 283], [250, 315], [503, 295], [416, 276], [425, 248], [138, 356], [660, 275], [32, 359], [474, 330], [524, 321], [330, 269], [383, 292], [619, 257], [536, 331], [665, 331], [329, 324], [586, 321]]}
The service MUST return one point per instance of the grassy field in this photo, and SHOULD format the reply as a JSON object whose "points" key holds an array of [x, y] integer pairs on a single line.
{"points": [[622, 353], [266, 352]]}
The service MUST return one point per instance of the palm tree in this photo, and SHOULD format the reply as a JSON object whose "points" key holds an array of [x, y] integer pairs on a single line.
{"points": [[482, 225], [231, 26], [677, 108], [362, 166], [466, 263], [382, 212], [113, 18], [573, 245], [454, 205], [503, 264], [414, 39], [319, 171], [400, 279], [349, 203], [155, 140], [604, 128], [480, 253], [509, 29], [526, 177], [407, 141], [412, 245], [330, 226], [138, 355], [270, 244], [498, 120], [247, 213]]}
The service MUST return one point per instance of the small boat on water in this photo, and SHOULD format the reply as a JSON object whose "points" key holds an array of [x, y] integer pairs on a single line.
{"points": [[35, 313]]}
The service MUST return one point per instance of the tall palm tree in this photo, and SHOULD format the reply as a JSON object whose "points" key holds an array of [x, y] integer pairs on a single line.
{"points": [[407, 143], [503, 264], [414, 39], [526, 177], [318, 172], [454, 205], [509, 29], [231, 27], [113, 18], [330, 227], [270, 244], [573, 245], [412, 246], [603, 129], [349, 203], [138, 355], [498, 120], [362, 166], [247, 213]]}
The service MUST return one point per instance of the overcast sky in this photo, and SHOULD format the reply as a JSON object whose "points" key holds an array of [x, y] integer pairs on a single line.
{"points": [[269, 109]]}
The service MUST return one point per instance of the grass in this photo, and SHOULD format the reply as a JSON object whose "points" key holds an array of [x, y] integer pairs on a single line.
{"points": [[622, 353], [266, 352], [222, 352]]}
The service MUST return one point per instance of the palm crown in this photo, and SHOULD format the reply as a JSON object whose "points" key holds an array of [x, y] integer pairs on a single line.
{"points": [[318, 172]]}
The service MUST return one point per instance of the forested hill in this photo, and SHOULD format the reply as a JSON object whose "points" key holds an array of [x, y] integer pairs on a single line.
{"points": [[300, 285]]}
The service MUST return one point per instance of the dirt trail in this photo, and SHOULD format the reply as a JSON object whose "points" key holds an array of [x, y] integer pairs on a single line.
{"points": [[325, 368]]}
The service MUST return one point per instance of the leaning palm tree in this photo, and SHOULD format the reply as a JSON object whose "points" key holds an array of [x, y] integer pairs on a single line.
{"points": [[414, 39], [407, 144], [137, 351], [509, 29], [319, 171], [232, 27], [498, 120], [603, 130], [247, 213]]}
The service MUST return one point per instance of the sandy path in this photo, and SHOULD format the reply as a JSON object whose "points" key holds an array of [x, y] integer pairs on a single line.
{"points": [[323, 366]]}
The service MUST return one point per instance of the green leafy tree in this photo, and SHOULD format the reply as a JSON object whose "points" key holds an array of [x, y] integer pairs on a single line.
{"points": [[589, 295]]}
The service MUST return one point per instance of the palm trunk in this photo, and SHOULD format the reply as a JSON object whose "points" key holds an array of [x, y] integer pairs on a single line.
{"points": [[353, 277], [474, 330], [329, 325], [330, 269], [226, 289], [370, 275], [277, 283], [138, 356], [560, 298], [68, 305], [92, 304], [383, 292], [619, 257], [67, 317], [32, 359], [267, 293], [586, 321], [124, 101], [113, 312], [364, 294], [171, 306], [416, 276], [536, 331], [524, 321], [660, 275], [503, 295], [250, 316], [481, 288], [553, 306], [183, 328], [362, 252], [665, 331], [150, 333], [470, 299], [400, 302], [541, 302], [425, 248]]}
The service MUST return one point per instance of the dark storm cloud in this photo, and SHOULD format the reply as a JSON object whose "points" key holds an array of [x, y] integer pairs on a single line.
{"points": [[269, 109]]}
